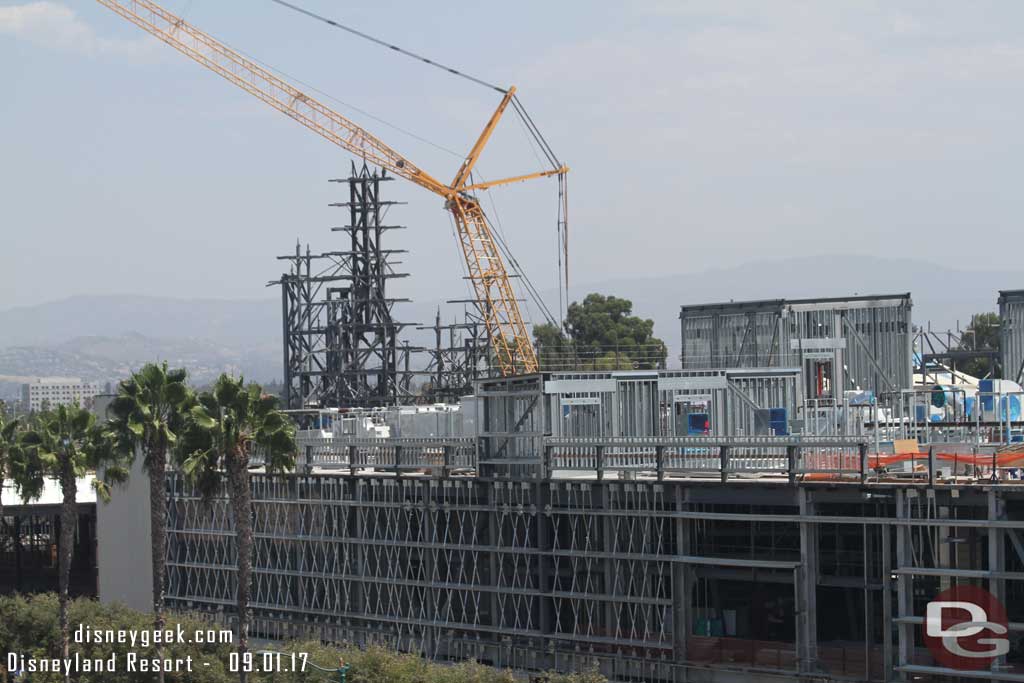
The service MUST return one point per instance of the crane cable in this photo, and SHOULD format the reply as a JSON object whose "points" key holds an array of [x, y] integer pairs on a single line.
{"points": [[514, 263], [329, 96], [535, 132], [532, 130], [382, 43], [517, 105]]}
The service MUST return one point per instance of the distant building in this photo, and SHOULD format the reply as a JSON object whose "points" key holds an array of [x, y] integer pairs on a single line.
{"points": [[49, 392]]}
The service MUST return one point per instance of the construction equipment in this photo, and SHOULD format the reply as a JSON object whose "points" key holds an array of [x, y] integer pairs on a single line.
{"points": [[506, 330]]}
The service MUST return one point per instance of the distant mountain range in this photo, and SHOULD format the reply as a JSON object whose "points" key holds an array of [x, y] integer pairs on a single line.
{"points": [[221, 320], [103, 337]]}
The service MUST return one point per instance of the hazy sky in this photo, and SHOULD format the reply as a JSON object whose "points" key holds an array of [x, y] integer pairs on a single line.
{"points": [[700, 134]]}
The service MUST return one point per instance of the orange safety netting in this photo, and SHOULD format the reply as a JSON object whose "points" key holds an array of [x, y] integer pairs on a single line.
{"points": [[850, 462], [981, 460]]}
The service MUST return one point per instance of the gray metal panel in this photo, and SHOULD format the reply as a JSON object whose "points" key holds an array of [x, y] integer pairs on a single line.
{"points": [[867, 339], [1011, 327]]}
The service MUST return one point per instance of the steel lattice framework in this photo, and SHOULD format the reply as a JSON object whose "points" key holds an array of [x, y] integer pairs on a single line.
{"points": [[340, 336], [458, 358], [571, 574]]}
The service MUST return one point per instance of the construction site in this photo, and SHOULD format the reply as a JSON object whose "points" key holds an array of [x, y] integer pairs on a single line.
{"points": [[783, 501]]}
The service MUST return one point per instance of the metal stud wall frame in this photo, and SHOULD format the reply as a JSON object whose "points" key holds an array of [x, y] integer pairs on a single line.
{"points": [[653, 403], [1011, 328], [636, 578], [866, 339]]}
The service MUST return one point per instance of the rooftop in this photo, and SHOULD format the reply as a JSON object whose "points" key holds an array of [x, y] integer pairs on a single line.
{"points": [[779, 303], [51, 495]]}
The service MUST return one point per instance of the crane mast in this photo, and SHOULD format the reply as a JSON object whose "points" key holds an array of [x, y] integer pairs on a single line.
{"points": [[506, 329]]}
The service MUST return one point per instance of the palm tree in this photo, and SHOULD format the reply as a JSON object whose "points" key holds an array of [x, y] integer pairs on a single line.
{"points": [[145, 418], [8, 453], [65, 444], [19, 467], [231, 428]]}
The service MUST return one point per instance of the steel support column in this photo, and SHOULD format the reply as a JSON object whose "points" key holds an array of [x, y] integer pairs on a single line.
{"points": [[807, 590]]}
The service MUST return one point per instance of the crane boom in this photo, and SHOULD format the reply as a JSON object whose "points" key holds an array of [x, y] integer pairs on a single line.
{"points": [[506, 330], [264, 85]]}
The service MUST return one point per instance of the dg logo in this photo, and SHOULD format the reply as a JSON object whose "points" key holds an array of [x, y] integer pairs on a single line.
{"points": [[965, 628]]}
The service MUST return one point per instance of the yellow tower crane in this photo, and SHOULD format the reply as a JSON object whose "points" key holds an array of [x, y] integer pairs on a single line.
{"points": [[506, 330]]}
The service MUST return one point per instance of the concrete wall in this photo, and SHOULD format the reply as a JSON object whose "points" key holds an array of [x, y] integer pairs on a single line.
{"points": [[123, 544]]}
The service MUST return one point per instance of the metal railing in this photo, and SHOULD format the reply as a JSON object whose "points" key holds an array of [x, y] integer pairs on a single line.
{"points": [[794, 458], [723, 458], [436, 455], [569, 357]]}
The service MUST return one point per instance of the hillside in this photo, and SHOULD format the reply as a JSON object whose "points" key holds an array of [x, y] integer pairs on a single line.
{"points": [[103, 337]]}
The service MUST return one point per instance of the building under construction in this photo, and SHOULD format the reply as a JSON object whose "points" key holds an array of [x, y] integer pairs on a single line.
{"points": [[653, 525], [649, 558], [840, 344], [783, 507]]}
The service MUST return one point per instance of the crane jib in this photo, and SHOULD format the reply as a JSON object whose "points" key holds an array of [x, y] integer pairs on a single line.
{"points": [[495, 298]]}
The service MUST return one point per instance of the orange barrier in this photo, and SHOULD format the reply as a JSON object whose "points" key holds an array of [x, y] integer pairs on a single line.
{"points": [[980, 460], [850, 461], [848, 464]]}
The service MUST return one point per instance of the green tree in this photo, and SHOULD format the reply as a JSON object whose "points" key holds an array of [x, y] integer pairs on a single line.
{"points": [[9, 453], [982, 334], [28, 625], [602, 333], [230, 428], [551, 342], [65, 444], [146, 417]]}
